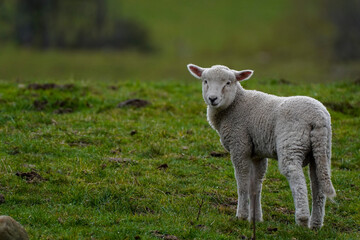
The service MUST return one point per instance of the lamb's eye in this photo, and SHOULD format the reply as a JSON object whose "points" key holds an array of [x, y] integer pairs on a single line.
{"points": [[205, 82], [228, 83]]}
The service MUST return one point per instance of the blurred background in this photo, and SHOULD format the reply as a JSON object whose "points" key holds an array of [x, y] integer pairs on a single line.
{"points": [[113, 40]]}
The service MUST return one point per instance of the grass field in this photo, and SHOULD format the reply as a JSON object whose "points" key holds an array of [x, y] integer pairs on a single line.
{"points": [[74, 166]]}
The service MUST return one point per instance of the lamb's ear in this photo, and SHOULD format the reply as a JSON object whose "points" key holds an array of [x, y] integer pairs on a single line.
{"points": [[196, 71], [243, 75]]}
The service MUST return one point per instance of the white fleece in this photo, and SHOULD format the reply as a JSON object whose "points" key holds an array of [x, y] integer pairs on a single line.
{"points": [[254, 126]]}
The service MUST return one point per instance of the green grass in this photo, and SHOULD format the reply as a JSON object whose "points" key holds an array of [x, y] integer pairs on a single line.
{"points": [[102, 181]]}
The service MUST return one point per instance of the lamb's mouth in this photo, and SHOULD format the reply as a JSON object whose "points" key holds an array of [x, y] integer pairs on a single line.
{"points": [[214, 104]]}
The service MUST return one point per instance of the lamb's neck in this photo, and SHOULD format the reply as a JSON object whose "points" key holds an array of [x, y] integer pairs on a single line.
{"points": [[215, 115]]}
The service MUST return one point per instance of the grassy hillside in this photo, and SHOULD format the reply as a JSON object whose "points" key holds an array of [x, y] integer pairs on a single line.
{"points": [[74, 166], [277, 39]]}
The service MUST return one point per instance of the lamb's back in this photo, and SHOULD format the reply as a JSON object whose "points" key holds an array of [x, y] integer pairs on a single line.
{"points": [[268, 118], [302, 110]]}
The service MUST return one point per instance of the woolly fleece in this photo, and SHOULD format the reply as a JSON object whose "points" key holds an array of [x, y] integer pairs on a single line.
{"points": [[254, 126]]}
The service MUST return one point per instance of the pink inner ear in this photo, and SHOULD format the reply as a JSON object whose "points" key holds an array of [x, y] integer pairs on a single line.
{"points": [[243, 75], [196, 70]]}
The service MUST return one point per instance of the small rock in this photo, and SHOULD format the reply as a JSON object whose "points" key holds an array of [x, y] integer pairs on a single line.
{"points": [[2, 198], [133, 132], [11, 229]]}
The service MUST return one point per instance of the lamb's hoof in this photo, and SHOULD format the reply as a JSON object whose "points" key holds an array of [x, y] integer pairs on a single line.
{"points": [[257, 219], [315, 225], [302, 220], [242, 216]]}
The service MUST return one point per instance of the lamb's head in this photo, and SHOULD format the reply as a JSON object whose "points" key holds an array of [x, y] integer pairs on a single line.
{"points": [[219, 83]]}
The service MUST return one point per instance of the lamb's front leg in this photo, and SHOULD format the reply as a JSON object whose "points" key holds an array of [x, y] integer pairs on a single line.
{"points": [[241, 164], [258, 170]]}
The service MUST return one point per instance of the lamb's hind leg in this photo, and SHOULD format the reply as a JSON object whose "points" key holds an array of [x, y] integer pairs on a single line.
{"points": [[258, 170], [318, 199], [290, 165]]}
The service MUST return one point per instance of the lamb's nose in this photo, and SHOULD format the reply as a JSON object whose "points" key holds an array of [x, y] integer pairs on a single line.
{"points": [[212, 99]]}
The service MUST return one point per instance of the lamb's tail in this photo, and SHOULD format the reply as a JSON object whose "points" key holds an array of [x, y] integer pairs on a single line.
{"points": [[321, 147]]}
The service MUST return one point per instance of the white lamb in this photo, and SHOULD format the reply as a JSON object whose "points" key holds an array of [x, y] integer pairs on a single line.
{"points": [[254, 126]]}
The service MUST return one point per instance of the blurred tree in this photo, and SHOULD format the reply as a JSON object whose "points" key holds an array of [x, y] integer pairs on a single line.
{"points": [[72, 24], [7, 9], [345, 15]]}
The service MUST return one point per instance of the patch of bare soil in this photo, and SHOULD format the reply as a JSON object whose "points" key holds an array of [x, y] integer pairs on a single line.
{"points": [[271, 230], [31, 177], [79, 143], [63, 110], [219, 154], [46, 86], [136, 103], [158, 234], [285, 210], [2, 198], [163, 166], [62, 106], [40, 104]]}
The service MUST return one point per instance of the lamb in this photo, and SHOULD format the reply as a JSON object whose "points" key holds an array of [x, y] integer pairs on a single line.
{"points": [[254, 126]]}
